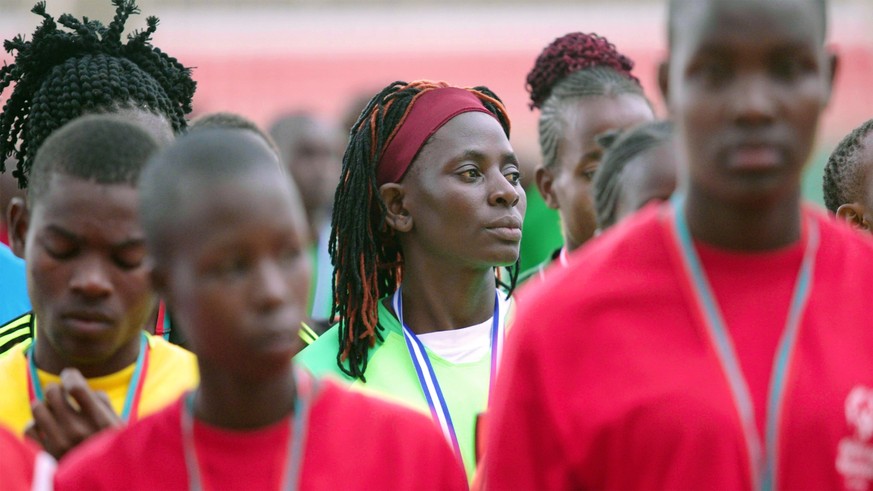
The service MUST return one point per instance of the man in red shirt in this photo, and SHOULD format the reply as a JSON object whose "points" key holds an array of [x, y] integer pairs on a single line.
{"points": [[721, 340], [227, 237]]}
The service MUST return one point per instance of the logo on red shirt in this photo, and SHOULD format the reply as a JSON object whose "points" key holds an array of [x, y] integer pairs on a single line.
{"points": [[855, 453]]}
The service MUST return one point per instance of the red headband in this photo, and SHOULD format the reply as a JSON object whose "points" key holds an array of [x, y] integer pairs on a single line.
{"points": [[430, 111]]}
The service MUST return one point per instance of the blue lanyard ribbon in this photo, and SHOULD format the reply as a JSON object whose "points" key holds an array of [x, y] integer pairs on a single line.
{"points": [[764, 468], [134, 387], [430, 386], [298, 429]]}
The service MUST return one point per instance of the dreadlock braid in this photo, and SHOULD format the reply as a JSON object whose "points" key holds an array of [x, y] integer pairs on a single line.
{"points": [[60, 75], [573, 66], [365, 252], [844, 174]]}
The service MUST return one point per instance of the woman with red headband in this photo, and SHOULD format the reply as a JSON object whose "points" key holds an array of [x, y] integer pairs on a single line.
{"points": [[428, 208]]}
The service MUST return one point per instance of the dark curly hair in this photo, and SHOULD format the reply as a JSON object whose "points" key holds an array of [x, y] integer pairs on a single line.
{"points": [[571, 53], [366, 255], [573, 66], [844, 176], [60, 75]]}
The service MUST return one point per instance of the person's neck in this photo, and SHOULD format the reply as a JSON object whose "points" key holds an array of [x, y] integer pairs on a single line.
{"points": [[49, 360], [229, 401], [440, 297], [753, 228]]}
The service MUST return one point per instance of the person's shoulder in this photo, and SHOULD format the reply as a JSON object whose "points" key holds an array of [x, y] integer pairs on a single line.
{"points": [[170, 352], [836, 234], [321, 357], [626, 248], [129, 447], [12, 359], [535, 271], [384, 419], [16, 331], [17, 462], [407, 450]]}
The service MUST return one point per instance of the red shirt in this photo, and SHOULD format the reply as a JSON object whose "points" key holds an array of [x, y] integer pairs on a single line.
{"points": [[17, 460], [353, 442], [610, 382]]}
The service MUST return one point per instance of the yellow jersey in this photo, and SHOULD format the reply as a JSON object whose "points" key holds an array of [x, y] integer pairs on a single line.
{"points": [[171, 371]]}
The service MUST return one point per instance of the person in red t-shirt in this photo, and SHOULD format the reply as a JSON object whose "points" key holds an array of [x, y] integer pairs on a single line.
{"points": [[722, 340], [227, 238], [17, 462]]}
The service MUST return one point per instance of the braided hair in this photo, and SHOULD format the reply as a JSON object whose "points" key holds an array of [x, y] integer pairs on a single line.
{"points": [[622, 148], [844, 174], [573, 66], [365, 252], [60, 75]]}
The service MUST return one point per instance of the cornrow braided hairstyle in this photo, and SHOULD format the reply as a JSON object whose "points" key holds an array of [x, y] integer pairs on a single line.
{"points": [[844, 175], [62, 74], [573, 66], [365, 252], [622, 148]]}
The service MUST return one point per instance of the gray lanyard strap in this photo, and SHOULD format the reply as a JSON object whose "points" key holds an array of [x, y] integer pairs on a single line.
{"points": [[299, 424]]}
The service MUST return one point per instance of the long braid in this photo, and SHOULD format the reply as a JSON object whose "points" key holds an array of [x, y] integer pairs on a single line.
{"points": [[364, 250], [62, 74], [844, 176]]}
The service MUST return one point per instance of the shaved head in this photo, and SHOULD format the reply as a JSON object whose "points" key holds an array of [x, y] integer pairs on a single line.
{"points": [[678, 8], [183, 175]]}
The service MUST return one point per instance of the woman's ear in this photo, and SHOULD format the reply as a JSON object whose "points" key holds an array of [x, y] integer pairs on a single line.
{"points": [[397, 216], [545, 181]]}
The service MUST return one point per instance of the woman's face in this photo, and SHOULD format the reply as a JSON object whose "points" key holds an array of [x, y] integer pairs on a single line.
{"points": [[461, 199], [566, 185]]}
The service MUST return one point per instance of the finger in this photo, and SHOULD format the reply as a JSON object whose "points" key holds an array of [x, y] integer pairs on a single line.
{"points": [[95, 408], [103, 397], [50, 434], [75, 426]]}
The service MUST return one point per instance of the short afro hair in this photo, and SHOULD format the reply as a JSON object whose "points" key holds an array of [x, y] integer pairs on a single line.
{"points": [[102, 148]]}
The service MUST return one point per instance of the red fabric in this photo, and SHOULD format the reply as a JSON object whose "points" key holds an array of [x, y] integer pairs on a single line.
{"points": [[754, 330], [430, 111], [353, 441], [4, 235], [16, 462], [608, 381]]}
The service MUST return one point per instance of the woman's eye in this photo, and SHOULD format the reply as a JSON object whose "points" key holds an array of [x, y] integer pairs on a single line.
{"points": [[513, 177], [470, 173]]}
